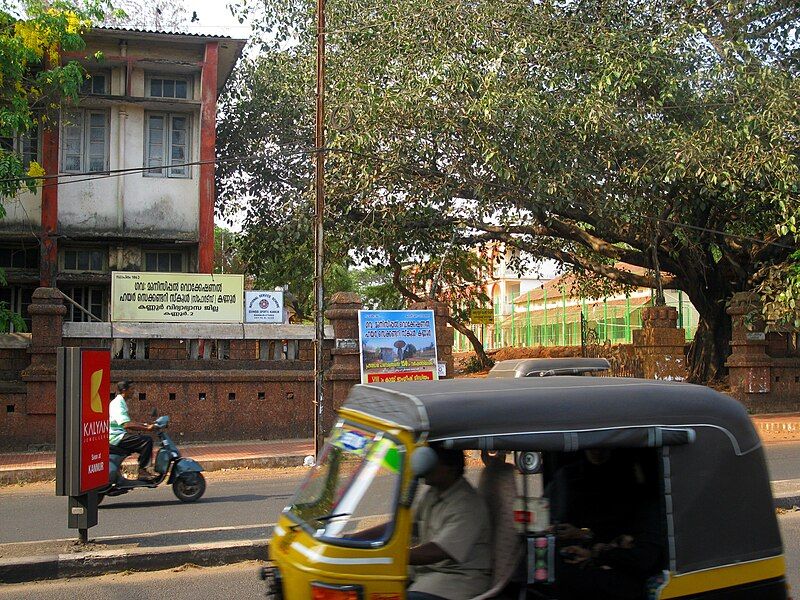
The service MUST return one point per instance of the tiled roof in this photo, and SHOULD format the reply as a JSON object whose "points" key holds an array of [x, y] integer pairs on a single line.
{"points": [[564, 282], [157, 32]]}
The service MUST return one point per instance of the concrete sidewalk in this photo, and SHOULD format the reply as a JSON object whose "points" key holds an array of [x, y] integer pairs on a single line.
{"points": [[40, 466]]}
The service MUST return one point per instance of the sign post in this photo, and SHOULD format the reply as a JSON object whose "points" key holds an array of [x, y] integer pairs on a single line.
{"points": [[82, 461]]}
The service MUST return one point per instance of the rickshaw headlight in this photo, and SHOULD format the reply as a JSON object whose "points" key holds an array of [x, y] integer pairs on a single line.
{"points": [[327, 591]]}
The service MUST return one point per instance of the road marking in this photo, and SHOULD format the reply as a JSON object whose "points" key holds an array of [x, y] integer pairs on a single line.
{"points": [[149, 534]]}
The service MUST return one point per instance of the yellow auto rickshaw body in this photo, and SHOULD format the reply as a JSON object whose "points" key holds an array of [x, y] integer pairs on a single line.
{"points": [[310, 568], [340, 539]]}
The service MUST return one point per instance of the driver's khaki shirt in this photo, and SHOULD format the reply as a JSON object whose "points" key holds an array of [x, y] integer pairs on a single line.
{"points": [[458, 522]]}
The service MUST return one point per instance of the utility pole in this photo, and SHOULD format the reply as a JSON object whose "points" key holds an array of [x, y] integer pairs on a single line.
{"points": [[319, 234]]}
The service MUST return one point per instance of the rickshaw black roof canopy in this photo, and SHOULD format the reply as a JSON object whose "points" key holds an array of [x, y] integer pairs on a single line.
{"points": [[556, 413]]}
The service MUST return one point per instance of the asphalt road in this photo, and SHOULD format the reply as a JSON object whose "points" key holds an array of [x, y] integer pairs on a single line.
{"points": [[783, 459], [235, 499], [239, 498], [241, 581]]}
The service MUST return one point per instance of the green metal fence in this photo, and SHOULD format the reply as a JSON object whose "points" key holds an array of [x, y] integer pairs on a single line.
{"points": [[557, 321]]}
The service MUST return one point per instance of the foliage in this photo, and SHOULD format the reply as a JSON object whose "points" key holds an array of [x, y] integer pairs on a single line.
{"points": [[659, 134], [227, 257], [377, 291], [473, 364], [33, 33]]}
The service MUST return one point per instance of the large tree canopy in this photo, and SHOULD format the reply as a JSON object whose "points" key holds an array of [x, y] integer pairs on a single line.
{"points": [[661, 134]]}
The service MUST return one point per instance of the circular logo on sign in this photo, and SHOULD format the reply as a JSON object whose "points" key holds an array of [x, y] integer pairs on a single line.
{"points": [[263, 304]]}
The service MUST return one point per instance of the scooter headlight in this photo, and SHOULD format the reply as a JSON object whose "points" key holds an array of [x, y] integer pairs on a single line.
{"points": [[327, 591]]}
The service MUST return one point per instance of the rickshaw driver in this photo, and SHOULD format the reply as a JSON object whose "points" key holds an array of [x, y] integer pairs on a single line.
{"points": [[451, 560]]}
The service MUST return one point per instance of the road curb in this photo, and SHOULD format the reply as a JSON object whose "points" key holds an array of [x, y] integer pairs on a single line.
{"points": [[32, 474], [93, 564]]}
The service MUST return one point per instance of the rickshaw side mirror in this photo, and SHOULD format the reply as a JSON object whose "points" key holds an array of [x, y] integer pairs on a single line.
{"points": [[423, 460]]}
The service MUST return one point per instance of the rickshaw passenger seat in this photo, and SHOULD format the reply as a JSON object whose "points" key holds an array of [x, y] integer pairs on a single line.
{"points": [[498, 488]]}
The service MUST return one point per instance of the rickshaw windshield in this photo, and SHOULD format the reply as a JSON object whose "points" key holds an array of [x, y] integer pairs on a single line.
{"points": [[352, 492]]}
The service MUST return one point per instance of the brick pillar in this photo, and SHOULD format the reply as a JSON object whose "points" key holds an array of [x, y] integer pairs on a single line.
{"points": [[749, 366], [345, 370], [445, 335], [660, 344], [47, 312]]}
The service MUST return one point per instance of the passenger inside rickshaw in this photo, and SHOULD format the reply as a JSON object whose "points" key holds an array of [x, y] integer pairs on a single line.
{"points": [[605, 525]]}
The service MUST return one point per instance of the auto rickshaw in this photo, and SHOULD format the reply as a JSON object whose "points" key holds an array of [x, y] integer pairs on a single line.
{"points": [[700, 454]]}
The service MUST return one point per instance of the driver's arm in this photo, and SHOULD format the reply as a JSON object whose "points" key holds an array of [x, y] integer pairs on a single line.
{"points": [[427, 554]]}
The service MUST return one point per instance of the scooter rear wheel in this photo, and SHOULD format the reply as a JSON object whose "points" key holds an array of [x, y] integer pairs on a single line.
{"points": [[189, 487]]}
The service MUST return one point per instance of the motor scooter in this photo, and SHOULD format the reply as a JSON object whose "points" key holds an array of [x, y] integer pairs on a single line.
{"points": [[185, 474]]}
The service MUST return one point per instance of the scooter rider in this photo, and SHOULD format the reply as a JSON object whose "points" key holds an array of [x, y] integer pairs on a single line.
{"points": [[121, 428]]}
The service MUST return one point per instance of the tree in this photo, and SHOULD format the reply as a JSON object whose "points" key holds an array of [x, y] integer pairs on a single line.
{"points": [[33, 82], [226, 251], [160, 15], [661, 134]]}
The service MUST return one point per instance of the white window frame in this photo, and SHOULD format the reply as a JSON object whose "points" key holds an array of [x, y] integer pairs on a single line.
{"points": [[166, 168], [157, 251], [84, 130], [173, 78], [104, 260]]}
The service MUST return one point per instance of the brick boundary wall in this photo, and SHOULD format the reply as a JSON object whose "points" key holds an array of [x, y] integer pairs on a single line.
{"points": [[208, 399]]}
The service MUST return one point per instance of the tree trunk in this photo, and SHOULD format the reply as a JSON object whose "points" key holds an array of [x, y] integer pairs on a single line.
{"points": [[483, 358], [711, 346]]}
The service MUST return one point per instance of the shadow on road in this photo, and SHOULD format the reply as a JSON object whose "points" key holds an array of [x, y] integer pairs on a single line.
{"points": [[109, 504]]}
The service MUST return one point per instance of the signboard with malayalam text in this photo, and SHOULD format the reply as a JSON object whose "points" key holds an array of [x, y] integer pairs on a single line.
{"points": [[263, 307], [94, 401], [397, 345], [176, 297]]}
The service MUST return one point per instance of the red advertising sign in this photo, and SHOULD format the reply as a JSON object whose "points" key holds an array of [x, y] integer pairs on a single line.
{"points": [[95, 391], [400, 376]]}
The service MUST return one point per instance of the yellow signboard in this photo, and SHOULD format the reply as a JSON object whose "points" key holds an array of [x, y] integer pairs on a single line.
{"points": [[176, 297], [481, 316]]}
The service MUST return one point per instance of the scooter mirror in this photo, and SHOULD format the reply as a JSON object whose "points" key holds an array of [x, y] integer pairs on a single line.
{"points": [[423, 460]]}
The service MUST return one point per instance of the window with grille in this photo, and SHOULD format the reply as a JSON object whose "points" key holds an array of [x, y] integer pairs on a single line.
{"points": [[168, 87], [164, 262], [167, 150], [19, 257], [84, 141], [87, 259], [91, 299]]}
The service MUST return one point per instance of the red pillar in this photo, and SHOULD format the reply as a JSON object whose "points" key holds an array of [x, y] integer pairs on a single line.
{"points": [[48, 264], [208, 140]]}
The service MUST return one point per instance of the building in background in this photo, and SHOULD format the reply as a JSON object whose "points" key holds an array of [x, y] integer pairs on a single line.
{"points": [[150, 103], [548, 314]]}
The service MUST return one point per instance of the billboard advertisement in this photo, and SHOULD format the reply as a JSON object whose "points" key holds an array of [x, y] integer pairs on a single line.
{"points": [[263, 307], [94, 400], [397, 345], [176, 297]]}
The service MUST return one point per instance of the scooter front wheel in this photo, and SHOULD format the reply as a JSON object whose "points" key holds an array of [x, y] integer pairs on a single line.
{"points": [[189, 487]]}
